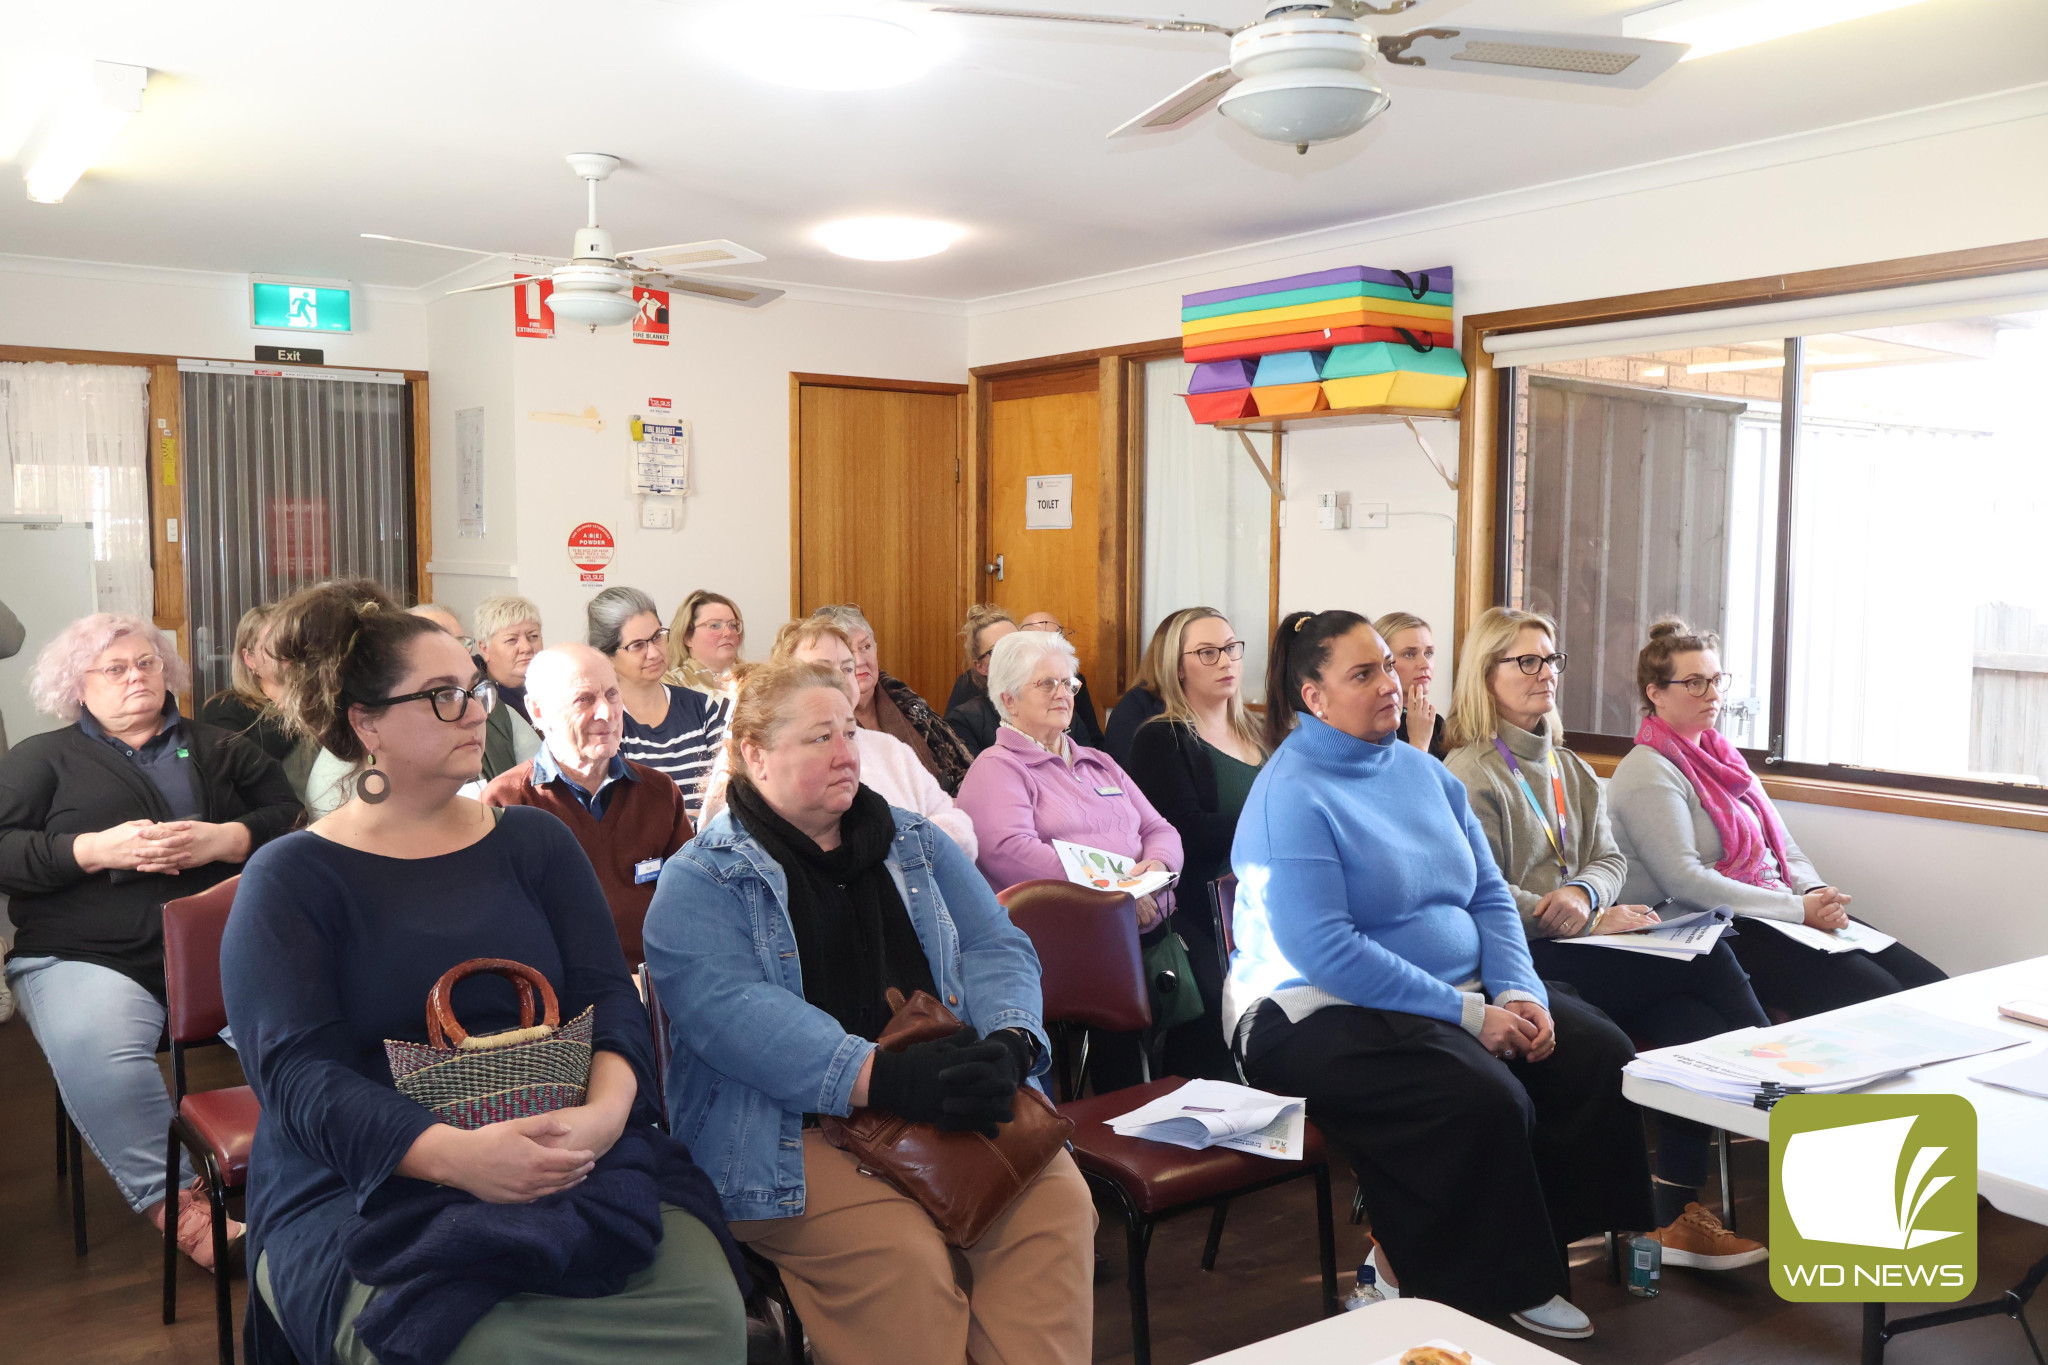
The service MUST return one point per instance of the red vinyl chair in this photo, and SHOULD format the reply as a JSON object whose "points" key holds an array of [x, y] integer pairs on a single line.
{"points": [[214, 1126], [1091, 972]]}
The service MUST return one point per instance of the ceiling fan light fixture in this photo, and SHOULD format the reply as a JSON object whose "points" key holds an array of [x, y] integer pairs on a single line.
{"points": [[592, 307], [1305, 106], [826, 51], [887, 239]]}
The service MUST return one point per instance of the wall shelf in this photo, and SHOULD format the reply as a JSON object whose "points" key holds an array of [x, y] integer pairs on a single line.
{"points": [[1274, 427]]}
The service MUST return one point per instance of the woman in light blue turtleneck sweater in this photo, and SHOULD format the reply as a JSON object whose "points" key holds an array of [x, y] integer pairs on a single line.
{"points": [[1381, 971]]}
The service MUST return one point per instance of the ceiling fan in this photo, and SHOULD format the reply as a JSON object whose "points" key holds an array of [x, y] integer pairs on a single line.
{"points": [[594, 284], [1301, 74]]}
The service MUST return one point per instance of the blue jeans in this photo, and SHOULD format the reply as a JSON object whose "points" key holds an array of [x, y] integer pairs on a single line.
{"points": [[99, 1031]]}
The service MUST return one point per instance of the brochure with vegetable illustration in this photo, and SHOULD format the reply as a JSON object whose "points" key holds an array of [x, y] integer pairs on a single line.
{"points": [[1109, 871]]}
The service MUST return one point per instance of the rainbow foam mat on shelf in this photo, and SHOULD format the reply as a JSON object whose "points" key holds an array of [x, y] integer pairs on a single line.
{"points": [[1325, 339], [1385, 374]]}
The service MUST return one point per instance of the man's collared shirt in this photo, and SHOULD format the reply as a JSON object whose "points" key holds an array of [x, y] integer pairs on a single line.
{"points": [[165, 758], [546, 770]]}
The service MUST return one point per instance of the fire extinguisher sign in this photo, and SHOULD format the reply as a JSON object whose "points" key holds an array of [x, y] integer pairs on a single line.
{"points": [[650, 324], [531, 315], [590, 550]]}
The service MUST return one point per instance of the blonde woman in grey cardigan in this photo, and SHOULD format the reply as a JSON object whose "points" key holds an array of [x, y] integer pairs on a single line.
{"points": [[1545, 817]]}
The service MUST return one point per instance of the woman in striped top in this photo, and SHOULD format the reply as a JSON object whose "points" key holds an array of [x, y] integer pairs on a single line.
{"points": [[672, 728]]}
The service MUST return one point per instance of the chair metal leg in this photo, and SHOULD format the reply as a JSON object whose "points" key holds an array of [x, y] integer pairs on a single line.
{"points": [[62, 1132], [1727, 1188], [1358, 1206], [1326, 1236], [77, 1186], [1137, 1243], [171, 1225], [1215, 1235], [1613, 1248], [223, 1305], [1081, 1064]]}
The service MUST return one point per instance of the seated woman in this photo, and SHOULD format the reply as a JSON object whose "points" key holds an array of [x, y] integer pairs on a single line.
{"points": [[507, 639], [337, 935], [1381, 971], [1697, 826], [1035, 785], [704, 643], [1414, 647], [1140, 702], [887, 764], [1086, 727], [1545, 818], [128, 806], [247, 705], [968, 710], [889, 705], [776, 988], [1196, 764], [668, 726]]}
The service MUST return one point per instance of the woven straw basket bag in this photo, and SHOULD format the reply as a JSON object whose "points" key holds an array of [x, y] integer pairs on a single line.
{"points": [[470, 1080]]}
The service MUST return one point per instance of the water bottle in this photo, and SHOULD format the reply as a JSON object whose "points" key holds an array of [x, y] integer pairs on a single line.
{"points": [[1367, 1291], [1645, 1266]]}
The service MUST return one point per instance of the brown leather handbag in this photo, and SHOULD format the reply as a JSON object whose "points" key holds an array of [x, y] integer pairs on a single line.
{"points": [[963, 1180]]}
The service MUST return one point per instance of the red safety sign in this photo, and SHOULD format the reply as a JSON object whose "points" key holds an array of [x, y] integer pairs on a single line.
{"points": [[650, 324], [663, 403], [531, 316], [590, 549]]}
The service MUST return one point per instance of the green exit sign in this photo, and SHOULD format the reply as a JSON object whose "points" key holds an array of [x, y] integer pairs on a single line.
{"points": [[300, 305]]}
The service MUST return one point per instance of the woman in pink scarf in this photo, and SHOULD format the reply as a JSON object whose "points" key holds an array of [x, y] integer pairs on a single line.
{"points": [[1697, 827]]}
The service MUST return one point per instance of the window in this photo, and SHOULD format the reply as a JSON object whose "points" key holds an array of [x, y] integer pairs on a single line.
{"points": [[1855, 512]]}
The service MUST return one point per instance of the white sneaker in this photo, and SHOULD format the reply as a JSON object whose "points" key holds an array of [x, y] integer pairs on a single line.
{"points": [[1557, 1318], [6, 1001], [1388, 1290]]}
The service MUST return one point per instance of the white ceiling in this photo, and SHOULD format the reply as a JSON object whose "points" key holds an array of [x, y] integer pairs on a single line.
{"points": [[271, 135]]}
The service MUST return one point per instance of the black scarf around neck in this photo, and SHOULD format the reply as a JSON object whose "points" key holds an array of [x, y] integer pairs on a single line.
{"points": [[854, 938]]}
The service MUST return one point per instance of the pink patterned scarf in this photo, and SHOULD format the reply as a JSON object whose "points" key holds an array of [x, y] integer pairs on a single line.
{"points": [[1721, 778]]}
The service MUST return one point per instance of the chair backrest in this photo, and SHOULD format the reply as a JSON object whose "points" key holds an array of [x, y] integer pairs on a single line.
{"points": [[193, 925], [657, 1029], [1223, 913], [1091, 971]]}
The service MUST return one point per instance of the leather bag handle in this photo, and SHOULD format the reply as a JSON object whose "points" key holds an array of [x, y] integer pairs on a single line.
{"points": [[442, 1029]]}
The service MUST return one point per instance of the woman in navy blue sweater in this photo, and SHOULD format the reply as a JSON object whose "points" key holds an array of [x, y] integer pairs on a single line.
{"points": [[1381, 971], [378, 1233]]}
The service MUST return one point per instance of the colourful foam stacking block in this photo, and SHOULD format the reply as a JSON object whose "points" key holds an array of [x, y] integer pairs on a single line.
{"points": [[1289, 367], [1325, 322], [1318, 312], [1302, 341], [1437, 278], [1287, 400], [1321, 294], [1222, 406], [1222, 375], [1383, 374]]}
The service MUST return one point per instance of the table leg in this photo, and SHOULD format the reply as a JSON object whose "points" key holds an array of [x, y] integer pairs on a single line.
{"points": [[1873, 1334]]}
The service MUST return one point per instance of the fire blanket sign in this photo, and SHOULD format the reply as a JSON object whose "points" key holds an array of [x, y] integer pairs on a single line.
{"points": [[650, 324], [531, 316], [590, 549]]}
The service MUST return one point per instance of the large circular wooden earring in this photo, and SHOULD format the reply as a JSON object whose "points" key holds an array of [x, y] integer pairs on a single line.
{"points": [[373, 786]]}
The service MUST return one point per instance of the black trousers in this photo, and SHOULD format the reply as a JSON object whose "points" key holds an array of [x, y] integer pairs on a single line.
{"points": [[1800, 980], [1663, 1002], [1197, 1049], [1476, 1171]]}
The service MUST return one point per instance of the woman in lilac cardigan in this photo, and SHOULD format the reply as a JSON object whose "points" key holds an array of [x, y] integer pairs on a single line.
{"points": [[1035, 785]]}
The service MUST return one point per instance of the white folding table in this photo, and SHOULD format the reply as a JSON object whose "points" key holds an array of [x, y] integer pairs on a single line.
{"points": [[1384, 1331], [2012, 1129]]}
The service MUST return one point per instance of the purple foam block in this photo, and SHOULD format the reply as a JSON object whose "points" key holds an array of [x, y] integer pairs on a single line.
{"points": [[1439, 280], [1220, 375]]}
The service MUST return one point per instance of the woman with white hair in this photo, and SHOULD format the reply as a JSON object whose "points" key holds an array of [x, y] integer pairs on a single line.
{"points": [[1035, 785], [128, 806], [893, 707], [507, 638]]}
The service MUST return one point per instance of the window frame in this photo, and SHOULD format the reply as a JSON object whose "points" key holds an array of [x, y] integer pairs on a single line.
{"points": [[1486, 434]]}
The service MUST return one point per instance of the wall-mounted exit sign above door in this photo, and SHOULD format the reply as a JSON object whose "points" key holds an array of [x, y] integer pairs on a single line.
{"points": [[301, 305]]}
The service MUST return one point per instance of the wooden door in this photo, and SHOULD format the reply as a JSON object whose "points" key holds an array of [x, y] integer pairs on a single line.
{"points": [[875, 515], [1040, 424]]}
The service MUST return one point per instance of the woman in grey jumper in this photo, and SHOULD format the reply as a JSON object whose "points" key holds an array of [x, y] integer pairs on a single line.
{"points": [[1697, 826], [1567, 877]]}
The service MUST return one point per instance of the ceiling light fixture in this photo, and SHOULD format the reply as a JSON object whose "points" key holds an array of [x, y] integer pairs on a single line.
{"points": [[887, 239], [1712, 26], [825, 51], [83, 127]]}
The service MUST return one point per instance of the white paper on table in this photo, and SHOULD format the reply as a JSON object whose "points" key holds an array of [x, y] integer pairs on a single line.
{"points": [[1108, 871], [1202, 1114], [1845, 940], [2028, 1075]]}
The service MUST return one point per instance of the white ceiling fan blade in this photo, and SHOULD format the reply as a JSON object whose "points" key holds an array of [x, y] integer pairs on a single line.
{"points": [[1182, 105], [469, 250], [694, 255], [1060, 16], [1583, 58], [745, 295], [497, 284]]}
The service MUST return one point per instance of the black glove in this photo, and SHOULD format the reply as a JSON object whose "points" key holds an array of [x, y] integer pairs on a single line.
{"points": [[907, 1082], [980, 1084], [957, 1083]]}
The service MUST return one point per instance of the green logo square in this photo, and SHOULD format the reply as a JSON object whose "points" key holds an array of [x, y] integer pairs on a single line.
{"points": [[1873, 1198]]}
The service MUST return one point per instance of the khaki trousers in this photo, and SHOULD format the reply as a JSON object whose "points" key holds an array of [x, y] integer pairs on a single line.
{"points": [[876, 1284]]}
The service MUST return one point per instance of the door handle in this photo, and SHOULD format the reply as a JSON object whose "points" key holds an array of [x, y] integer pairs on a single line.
{"points": [[995, 568]]}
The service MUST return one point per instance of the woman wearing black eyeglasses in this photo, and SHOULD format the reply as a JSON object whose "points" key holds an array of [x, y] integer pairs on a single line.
{"points": [[668, 726], [376, 1230]]}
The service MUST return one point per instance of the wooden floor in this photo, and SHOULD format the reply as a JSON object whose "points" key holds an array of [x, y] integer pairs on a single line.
{"points": [[104, 1309]]}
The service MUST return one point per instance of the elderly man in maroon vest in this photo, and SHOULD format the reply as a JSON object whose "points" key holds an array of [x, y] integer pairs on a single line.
{"points": [[628, 817]]}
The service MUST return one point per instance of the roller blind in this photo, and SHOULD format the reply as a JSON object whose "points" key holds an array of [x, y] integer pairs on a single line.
{"points": [[2018, 292]]}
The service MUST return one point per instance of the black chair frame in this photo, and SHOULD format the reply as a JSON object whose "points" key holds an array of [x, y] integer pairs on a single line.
{"points": [[181, 1134]]}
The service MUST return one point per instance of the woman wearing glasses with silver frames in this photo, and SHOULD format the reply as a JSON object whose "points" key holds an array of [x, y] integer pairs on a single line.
{"points": [[668, 726]]}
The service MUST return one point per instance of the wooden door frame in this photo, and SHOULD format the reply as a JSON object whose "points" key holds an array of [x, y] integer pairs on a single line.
{"points": [[1120, 516]]}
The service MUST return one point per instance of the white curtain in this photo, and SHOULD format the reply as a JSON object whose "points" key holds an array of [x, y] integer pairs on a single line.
{"points": [[1208, 522], [74, 444]]}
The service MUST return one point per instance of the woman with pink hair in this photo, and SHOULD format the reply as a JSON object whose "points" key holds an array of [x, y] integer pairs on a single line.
{"points": [[101, 822]]}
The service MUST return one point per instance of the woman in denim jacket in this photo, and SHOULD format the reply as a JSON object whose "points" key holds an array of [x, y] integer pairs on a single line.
{"points": [[772, 941]]}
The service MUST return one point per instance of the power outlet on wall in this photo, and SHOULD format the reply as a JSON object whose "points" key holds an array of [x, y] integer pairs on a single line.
{"points": [[1371, 516], [657, 516]]}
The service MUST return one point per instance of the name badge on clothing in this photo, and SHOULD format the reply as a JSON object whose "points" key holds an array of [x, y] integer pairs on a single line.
{"points": [[646, 870], [1109, 791]]}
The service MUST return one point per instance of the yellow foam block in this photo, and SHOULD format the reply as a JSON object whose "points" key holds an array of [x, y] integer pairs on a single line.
{"points": [[1394, 307], [1395, 389]]}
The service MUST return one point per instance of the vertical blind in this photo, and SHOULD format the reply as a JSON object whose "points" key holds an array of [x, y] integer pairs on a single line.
{"points": [[289, 480]]}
